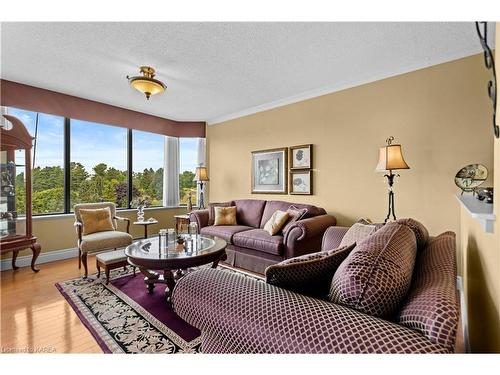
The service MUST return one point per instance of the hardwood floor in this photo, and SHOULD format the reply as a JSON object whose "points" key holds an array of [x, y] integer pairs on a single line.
{"points": [[36, 317]]}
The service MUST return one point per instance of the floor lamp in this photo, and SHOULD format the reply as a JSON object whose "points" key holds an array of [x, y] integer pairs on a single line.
{"points": [[201, 176], [390, 159]]}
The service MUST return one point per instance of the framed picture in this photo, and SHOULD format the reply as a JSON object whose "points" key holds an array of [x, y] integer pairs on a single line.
{"points": [[301, 182], [269, 174], [301, 157]]}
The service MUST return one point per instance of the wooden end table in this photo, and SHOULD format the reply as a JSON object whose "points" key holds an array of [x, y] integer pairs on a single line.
{"points": [[145, 224]]}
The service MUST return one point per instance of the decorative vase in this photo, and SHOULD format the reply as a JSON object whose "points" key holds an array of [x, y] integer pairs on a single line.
{"points": [[140, 213]]}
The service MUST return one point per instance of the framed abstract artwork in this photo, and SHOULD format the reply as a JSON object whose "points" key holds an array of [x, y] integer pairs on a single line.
{"points": [[301, 157], [269, 173], [301, 182]]}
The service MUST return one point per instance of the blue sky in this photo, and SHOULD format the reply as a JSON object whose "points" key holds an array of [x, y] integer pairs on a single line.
{"points": [[93, 143]]}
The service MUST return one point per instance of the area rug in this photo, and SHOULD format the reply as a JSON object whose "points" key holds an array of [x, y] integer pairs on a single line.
{"points": [[124, 318]]}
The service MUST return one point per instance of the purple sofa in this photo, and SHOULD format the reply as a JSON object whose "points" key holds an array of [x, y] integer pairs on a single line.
{"points": [[252, 248], [238, 314]]}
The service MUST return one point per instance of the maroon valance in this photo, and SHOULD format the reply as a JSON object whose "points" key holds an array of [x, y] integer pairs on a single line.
{"points": [[35, 99]]}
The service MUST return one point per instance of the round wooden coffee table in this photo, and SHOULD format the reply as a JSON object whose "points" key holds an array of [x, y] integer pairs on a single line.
{"points": [[175, 261]]}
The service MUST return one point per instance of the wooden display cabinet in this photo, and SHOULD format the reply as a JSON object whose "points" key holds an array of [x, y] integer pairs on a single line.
{"points": [[15, 191]]}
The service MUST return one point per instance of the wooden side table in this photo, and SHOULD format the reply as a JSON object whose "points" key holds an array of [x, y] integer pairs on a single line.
{"points": [[145, 224], [179, 221]]}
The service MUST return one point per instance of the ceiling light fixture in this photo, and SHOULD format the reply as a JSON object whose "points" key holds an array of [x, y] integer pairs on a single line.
{"points": [[146, 83]]}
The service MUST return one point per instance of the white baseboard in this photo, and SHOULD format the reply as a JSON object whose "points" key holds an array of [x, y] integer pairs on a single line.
{"points": [[50, 256]]}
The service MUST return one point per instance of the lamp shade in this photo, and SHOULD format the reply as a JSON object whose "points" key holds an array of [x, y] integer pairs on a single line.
{"points": [[146, 83], [391, 158], [148, 86], [201, 174]]}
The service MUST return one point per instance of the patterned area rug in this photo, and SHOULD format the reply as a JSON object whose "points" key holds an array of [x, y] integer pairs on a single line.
{"points": [[124, 318]]}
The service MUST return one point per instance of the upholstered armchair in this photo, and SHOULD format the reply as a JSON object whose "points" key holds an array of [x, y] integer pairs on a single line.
{"points": [[102, 240]]}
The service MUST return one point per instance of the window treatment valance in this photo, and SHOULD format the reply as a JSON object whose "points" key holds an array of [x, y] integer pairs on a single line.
{"points": [[13, 94]]}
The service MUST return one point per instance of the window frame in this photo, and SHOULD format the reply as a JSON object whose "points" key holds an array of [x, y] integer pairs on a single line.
{"points": [[67, 170]]}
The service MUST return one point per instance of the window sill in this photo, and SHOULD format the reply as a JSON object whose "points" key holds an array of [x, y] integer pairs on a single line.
{"points": [[118, 212]]}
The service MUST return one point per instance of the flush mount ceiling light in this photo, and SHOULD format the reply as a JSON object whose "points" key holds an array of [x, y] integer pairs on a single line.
{"points": [[146, 83]]}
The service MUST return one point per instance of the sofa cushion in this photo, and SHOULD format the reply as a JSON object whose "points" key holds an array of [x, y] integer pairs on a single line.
{"points": [[226, 232], [249, 211], [211, 210], [421, 233], [259, 239], [276, 222], [377, 274], [309, 274], [225, 215], [273, 206], [357, 233], [105, 240]]}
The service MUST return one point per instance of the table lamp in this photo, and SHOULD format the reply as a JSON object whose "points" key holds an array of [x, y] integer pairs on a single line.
{"points": [[390, 159], [201, 176]]}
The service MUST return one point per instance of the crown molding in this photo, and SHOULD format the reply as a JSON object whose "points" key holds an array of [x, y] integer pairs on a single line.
{"points": [[341, 86]]}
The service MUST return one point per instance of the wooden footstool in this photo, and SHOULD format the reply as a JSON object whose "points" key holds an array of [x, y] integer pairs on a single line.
{"points": [[109, 261]]}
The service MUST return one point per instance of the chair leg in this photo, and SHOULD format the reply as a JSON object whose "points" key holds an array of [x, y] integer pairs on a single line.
{"points": [[84, 261], [79, 258]]}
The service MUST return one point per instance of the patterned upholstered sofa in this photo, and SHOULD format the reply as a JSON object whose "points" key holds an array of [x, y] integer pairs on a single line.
{"points": [[252, 248], [238, 314]]}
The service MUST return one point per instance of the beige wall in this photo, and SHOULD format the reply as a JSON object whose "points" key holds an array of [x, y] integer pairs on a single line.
{"points": [[440, 115], [58, 233], [480, 253]]}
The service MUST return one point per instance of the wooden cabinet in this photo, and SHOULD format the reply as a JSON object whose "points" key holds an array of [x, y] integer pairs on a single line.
{"points": [[15, 190]]}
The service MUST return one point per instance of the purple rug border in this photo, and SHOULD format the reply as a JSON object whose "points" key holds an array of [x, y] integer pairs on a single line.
{"points": [[84, 320]]}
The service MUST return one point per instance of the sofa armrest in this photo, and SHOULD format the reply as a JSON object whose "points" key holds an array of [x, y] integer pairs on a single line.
{"points": [[305, 236], [333, 237], [200, 217], [255, 317]]}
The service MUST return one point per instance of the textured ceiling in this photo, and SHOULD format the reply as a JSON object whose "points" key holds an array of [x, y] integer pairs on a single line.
{"points": [[215, 71]]}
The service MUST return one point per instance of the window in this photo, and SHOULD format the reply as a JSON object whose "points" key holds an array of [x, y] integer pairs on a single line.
{"points": [[98, 167], [47, 162], [188, 150], [97, 164], [148, 160]]}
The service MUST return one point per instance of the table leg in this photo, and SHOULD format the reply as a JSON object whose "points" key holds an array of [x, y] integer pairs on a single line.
{"points": [[35, 248], [150, 278], [169, 280], [145, 231], [216, 262], [14, 257]]}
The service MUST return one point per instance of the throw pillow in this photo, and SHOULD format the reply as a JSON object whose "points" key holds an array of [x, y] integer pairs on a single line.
{"points": [[367, 221], [308, 274], [211, 210], [294, 215], [96, 220], [357, 233], [225, 215], [421, 233], [377, 274], [276, 222]]}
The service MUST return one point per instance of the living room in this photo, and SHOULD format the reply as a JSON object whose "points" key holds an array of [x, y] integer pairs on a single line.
{"points": [[188, 187]]}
